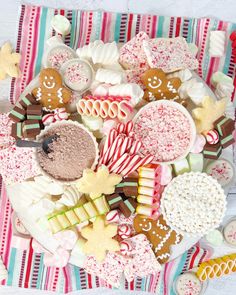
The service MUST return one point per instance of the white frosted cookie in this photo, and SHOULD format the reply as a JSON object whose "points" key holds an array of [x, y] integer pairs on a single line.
{"points": [[230, 232], [187, 284]]}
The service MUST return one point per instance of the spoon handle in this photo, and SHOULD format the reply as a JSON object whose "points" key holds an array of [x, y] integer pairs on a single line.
{"points": [[26, 143]]}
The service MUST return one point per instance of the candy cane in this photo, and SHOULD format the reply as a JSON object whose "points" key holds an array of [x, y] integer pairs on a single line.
{"points": [[141, 162], [110, 152], [135, 147], [114, 165], [120, 128], [132, 160], [128, 127], [122, 149], [109, 140]]}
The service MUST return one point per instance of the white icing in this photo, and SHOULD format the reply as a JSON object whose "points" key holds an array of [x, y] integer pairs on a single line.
{"points": [[39, 94], [154, 83], [49, 85], [59, 94]]}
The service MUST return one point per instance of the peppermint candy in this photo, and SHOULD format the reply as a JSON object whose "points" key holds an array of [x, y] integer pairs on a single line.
{"points": [[126, 248], [212, 137], [113, 216], [124, 231]]}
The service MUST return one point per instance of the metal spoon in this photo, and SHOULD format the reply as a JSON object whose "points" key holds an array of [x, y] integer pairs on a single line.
{"points": [[44, 144]]}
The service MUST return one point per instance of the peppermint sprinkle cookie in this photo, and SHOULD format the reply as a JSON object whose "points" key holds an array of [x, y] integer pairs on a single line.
{"points": [[193, 203], [166, 131], [188, 284]]}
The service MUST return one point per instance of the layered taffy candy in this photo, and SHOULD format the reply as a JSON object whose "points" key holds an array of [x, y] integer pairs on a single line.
{"points": [[78, 214], [149, 189]]}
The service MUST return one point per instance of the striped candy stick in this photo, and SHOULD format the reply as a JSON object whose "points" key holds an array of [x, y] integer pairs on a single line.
{"points": [[120, 128], [132, 167], [110, 152], [109, 140], [129, 127], [136, 146], [115, 164], [127, 143], [131, 161]]}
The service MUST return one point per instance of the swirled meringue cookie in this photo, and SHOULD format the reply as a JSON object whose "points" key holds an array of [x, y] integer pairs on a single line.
{"points": [[109, 76], [197, 92], [85, 52], [183, 89], [105, 54], [69, 198], [183, 75], [130, 89]]}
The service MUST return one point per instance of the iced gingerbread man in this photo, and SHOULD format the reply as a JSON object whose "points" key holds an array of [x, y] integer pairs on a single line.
{"points": [[51, 94], [158, 86]]}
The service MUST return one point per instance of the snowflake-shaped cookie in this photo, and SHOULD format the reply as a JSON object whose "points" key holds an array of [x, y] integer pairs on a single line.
{"points": [[99, 239], [208, 113], [9, 62], [97, 183]]}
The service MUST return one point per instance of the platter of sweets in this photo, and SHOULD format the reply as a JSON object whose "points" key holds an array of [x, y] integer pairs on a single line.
{"points": [[139, 160]]}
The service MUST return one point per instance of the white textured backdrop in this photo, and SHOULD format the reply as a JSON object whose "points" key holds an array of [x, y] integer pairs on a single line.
{"points": [[223, 9]]}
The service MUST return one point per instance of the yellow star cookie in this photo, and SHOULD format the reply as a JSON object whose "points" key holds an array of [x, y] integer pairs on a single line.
{"points": [[99, 238], [208, 113], [9, 62], [97, 183]]}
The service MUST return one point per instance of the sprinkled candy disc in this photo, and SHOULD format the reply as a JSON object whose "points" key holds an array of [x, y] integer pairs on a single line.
{"points": [[166, 131]]}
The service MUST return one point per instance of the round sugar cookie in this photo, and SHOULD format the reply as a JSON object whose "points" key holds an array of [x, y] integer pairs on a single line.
{"points": [[229, 232]]}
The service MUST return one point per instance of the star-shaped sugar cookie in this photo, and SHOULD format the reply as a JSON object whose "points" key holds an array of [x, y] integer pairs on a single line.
{"points": [[99, 238], [97, 183], [208, 113], [9, 62]]}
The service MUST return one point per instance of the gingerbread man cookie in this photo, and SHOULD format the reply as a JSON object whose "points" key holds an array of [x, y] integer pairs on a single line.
{"points": [[158, 86], [160, 235], [51, 94]]}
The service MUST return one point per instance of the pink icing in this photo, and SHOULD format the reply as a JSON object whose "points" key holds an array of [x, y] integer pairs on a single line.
{"points": [[75, 74], [164, 131], [59, 57]]}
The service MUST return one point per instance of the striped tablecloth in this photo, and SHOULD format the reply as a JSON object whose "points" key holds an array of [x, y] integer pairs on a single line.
{"points": [[26, 268]]}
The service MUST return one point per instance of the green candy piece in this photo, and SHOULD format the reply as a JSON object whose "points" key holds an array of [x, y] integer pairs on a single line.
{"points": [[215, 237]]}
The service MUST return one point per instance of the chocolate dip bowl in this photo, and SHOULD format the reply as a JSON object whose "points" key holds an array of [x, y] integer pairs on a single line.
{"points": [[74, 150]]}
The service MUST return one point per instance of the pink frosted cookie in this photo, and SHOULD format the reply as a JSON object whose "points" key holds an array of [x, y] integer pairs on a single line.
{"points": [[188, 284], [222, 170], [165, 129], [132, 54], [17, 164], [6, 139], [169, 54], [230, 232]]}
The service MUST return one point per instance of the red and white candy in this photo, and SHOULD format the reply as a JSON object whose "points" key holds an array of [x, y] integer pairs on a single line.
{"points": [[212, 137], [126, 248], [124, 231], [60, 114], [113, 216]]}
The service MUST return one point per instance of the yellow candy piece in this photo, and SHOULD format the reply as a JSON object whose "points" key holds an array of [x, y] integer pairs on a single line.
{"points": [[97, 183], [99, 238], [208, 113], [9, 62], [217, 267]]}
